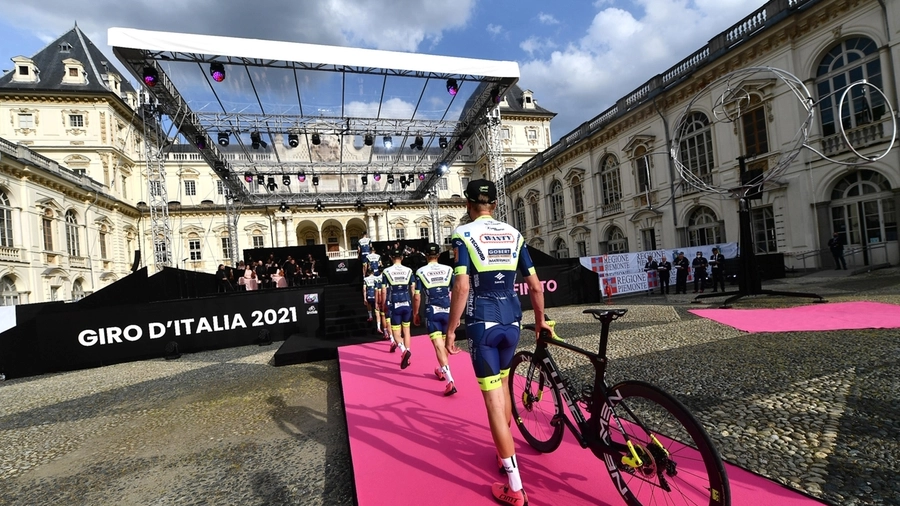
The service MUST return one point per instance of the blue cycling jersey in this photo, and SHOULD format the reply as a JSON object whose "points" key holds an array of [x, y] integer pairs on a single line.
{"points": [[490, 252], [398, 279], [435, 280], [374, 261], [365, 246], [372, 283]]}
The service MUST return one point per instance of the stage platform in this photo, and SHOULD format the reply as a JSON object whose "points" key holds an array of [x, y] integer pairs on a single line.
{"points": [[411, 445], [302, 348]]}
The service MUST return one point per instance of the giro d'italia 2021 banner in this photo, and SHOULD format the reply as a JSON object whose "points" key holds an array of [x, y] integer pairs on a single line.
{"points": [[621, 273]]}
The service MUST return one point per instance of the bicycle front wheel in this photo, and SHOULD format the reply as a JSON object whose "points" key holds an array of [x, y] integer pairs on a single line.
{"points": [[678, 464], [536, 405]]}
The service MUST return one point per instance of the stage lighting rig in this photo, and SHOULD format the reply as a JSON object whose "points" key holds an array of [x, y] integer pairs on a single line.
{"points": [[460, 144], [496, 97], [418, 143], [301, 176], [390, 179], [151, 77], [377, 176], [248, 177], [315, 180], [369, 139], [223, 139], [260, 180], [452, 87], [256, 140], [443, 169], [283, 207], [388, 142], [421, 176], [271, 184], [365, 179], [293, 140], [217, 72], [442, 142], [200, 142], [316, 139], [285, 180], [319, 205], [390, 203]]}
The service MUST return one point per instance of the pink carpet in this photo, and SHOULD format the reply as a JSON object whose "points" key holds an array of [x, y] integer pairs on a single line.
{"points": [[839, 316], [410, 445]]}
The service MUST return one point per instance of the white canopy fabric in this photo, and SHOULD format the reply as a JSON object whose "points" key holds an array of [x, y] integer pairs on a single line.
{"points": [[313, 54]]}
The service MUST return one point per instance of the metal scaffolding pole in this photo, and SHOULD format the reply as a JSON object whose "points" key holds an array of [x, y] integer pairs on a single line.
{"points": [[158, 200], [233, 207], [496, 170], [434, 210]]}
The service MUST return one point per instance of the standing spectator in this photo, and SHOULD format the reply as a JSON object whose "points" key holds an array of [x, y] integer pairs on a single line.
{"points": [[665, 269], [650, 267], [222, 279], [681, 273], [262, 276], [699, 265], [493, 316], [836, 245], [717, 264]]}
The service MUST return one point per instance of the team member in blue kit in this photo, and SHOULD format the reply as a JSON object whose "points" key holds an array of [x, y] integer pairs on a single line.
{"points": [[488, 253], [436, 280], [399, 283]]}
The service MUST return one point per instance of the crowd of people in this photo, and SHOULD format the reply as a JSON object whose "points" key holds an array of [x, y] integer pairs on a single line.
{"points": [[271, 273], [478, 292]]}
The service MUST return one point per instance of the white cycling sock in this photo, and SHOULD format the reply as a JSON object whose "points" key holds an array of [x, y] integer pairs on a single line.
{"points": [[511, 466], [446, 369]]}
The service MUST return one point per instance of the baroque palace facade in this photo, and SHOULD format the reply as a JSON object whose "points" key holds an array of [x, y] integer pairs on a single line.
{"points": [[73, 185], [610, 185]]}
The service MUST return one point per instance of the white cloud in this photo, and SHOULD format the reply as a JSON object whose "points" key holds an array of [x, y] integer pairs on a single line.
{"points": [[494, 30], [619, 51], [533, 45], [547, 19]]}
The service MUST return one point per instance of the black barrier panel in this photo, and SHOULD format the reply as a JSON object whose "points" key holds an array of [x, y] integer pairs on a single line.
{"points": [[132, 289], [563, 285], [79, 339]]}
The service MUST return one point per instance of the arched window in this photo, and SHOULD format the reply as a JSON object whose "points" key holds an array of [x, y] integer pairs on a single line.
{"points": [[610, 185], [9, 296], [643, 166], [862, 208], [560, 249], [704, 228], [77, 290], [73, 246], [577, 195], [557, 204], [696, 152], [6, 237], [520, 214], [850, 61], [617, 242]]}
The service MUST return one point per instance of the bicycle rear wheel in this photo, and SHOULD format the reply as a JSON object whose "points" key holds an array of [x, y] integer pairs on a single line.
{"points": [[680, 465], [535, 403]]}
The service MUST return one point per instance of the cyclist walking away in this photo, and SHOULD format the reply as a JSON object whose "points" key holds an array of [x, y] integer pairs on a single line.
{"points": [[370, 286], [364, 247], [488, 253], [436, 280], [399, 282]]}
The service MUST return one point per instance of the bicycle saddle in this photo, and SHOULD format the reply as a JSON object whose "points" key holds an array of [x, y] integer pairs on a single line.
{"points": [[603, 314]]}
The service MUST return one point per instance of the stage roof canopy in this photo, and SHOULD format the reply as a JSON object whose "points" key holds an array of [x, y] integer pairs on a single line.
{"points": [[265, 108]]}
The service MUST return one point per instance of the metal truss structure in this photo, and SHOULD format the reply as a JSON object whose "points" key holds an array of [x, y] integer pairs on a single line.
{"points": [[491, 141], [158, 200]]}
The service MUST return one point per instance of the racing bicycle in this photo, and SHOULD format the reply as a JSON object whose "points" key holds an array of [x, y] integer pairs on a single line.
{"points": [[653, 448]]}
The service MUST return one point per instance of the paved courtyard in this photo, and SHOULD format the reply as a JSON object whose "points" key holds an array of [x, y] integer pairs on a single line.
{"points": [[816, 411]]}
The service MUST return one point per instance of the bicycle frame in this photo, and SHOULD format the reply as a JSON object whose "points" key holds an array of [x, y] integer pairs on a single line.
{"points": [[583, 428]]}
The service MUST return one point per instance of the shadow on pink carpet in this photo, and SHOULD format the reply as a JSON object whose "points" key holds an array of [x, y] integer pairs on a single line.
{"points": [[410, 445], [816, 317]]}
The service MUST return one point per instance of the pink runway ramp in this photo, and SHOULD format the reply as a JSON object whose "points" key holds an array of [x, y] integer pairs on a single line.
{"points": [[410, 445], [840, 316]]}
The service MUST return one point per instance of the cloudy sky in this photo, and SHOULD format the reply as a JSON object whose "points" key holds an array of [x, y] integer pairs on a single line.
{"points": [[578, 57]]}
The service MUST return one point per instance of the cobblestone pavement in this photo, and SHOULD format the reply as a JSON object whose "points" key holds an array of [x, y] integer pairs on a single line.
{"points": [[816, 411]]}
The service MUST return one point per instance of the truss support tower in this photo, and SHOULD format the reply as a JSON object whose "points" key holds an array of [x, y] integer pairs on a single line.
{"points": [[496, 171], [233, 207], [158, 201]]}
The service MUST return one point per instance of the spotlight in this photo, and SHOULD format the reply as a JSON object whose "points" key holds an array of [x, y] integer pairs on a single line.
{"points": [[369, 139], [260, 179], [248, 177], [223, 139], [359, 204], [421, 176], [388, 142], [377, 176], [285, 180], [403, 181], [271, 185], [442, 142], [460, 144], [496, 97], [293, 140], [283, 207], [319, 206], [219, 166], [256, 141], [217, 72], [315, 180], [301, 176], [443, 169], [452, 87], [390, 203], [316, 140], [200, 141], [365, 179], [418, 143], [390, 179], [151, 76]]}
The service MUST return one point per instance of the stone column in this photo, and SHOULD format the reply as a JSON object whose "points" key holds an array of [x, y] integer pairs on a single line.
{"points": [[290, 231], [276, 223], [887, 75]]}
